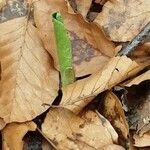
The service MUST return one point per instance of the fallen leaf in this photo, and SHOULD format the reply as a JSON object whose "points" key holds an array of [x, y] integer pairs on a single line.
{"points": [[123, 20], [13, 134], [137, 80], [113, 111], [28, 78], [142, 141], [2, 4], [90, 46], [69, 131], [83, 6], [81, 92]]}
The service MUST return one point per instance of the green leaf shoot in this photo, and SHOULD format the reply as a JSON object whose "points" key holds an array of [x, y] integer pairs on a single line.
{"points": [[64, 50]]}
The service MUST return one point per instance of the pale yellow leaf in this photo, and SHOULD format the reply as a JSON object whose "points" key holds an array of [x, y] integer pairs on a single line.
{"points": [[78, 94], [90, 46], [28, 79], [69, 131], [142, 141], [13, 135], [137, 80], [122, 20]]}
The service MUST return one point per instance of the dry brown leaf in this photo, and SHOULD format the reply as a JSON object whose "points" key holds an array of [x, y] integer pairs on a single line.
{"points": [[13, 134], [113, 111], [83, 6], [137, 80], [142, 141], [69, 131], [27, 77], [90, 46], [80, 93], [122, 20]]}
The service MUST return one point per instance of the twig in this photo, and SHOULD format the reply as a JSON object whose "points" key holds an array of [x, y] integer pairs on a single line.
{"points": [[48, 140], [136, 41], [64, 50]]}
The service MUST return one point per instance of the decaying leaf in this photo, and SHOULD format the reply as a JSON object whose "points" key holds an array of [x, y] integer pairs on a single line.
{"points": [[142, 141], [78, 94], [69, 131], [113, 111], [27, 77], [90, 46], [83, 6], [13, 134], [139, 79], [122, 20]]}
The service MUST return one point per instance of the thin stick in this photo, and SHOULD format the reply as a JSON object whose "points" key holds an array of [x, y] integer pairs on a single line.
{"points": [[136, 41], [48, 140], [64, 50]]}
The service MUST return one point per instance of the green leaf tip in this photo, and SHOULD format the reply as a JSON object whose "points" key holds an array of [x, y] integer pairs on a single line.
{"points": [[64, 50], [57, 17]]}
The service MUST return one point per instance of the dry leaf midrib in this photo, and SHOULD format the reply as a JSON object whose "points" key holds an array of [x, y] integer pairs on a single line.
{"points": [[18, 68]]}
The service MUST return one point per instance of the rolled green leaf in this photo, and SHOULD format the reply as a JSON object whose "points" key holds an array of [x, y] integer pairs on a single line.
{"points": [[64, 50]]}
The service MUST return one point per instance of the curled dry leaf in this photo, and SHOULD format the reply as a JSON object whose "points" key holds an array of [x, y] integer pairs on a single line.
{"points": [[80, 93], [69, 131], [27, 77], [90, 46], [13, 134], [113, 111], [137, 80], [142, 141], [122, 20]]}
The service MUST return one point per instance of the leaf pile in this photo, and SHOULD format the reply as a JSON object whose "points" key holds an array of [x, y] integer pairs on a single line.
{"points": [[107, 107]]}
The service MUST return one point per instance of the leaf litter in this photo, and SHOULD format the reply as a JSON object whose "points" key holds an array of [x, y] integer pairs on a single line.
{"points": [[29, 74]]}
